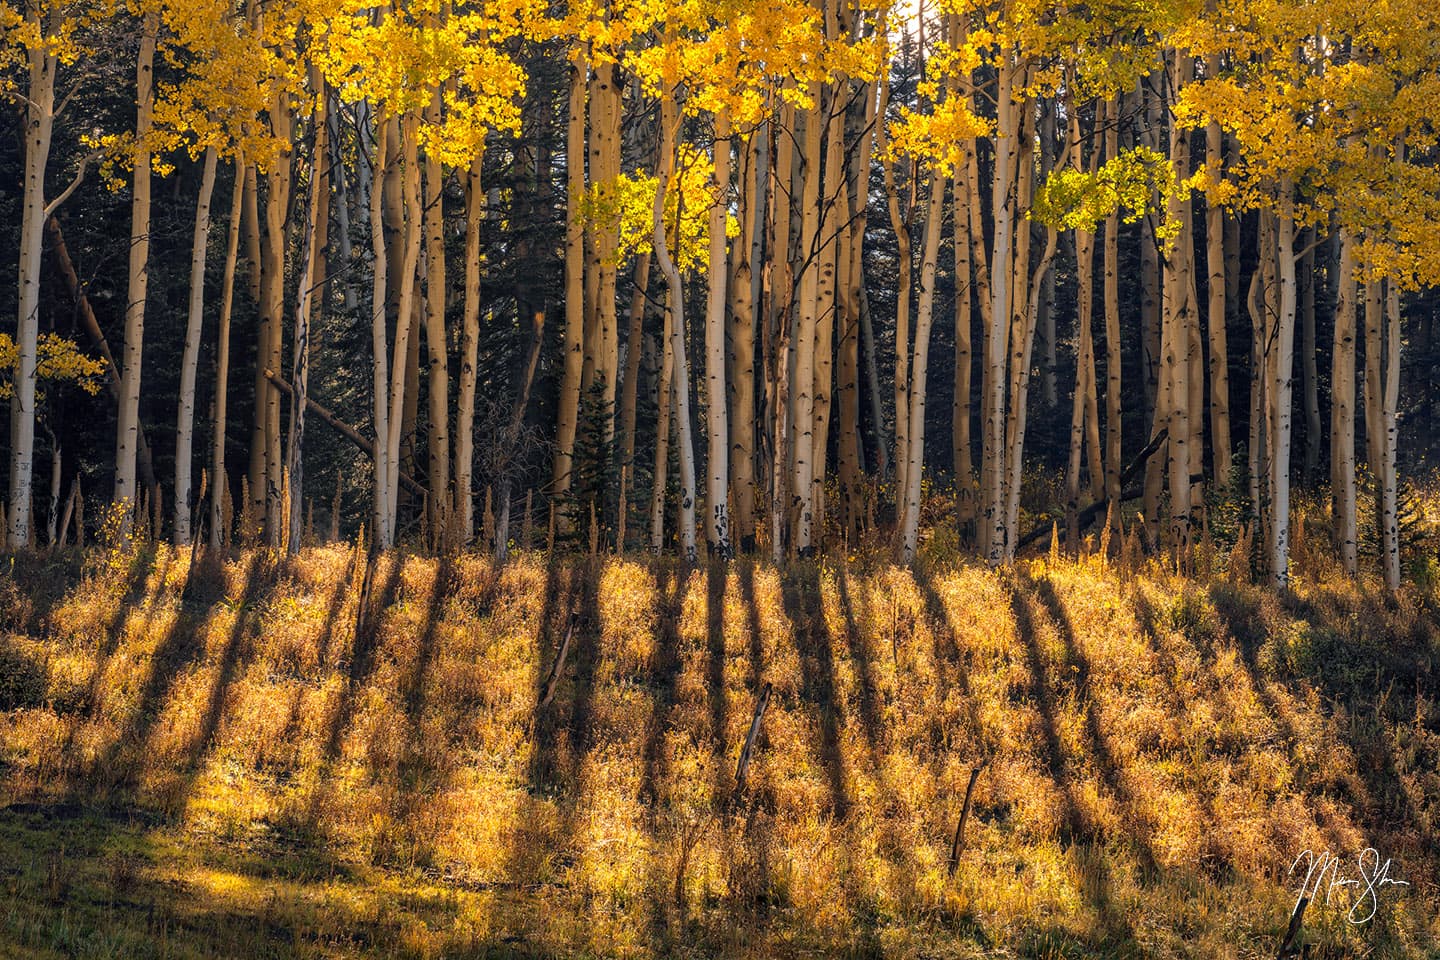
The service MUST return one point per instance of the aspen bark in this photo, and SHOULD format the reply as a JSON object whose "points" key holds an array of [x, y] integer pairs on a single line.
{"points": [[311, 260], [924, 315], [409, 156], [802, 428], [436, 343], [569, 402], [1177, 340], [1113, 349], [219, 479], [1216, 303], [1280, 390], [740, 376], [717, 481], [185, 418], [469, 354], [1386, 479], [675, 310], [39, 128], [900, 224], [1342, 409], [634, 341], [127, 428], [1308, 359], [961, 456], [664, 402], [384, 531], [995, 535]]}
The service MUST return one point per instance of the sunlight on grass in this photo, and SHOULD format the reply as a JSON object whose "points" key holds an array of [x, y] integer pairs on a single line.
{"points": [[250, 760]]}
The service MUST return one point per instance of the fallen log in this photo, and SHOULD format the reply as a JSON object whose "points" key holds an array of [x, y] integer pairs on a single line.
{"points": [[341, 427], [1084, 517]]}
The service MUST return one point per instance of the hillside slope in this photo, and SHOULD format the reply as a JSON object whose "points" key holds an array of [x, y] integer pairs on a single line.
{"points": [[234, 769]]}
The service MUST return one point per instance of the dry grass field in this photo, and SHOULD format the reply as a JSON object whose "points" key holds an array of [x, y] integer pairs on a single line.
{"points": [[246, 761]]}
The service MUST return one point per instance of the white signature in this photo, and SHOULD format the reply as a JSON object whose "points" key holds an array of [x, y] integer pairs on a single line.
{"points": [[1327, 872]]}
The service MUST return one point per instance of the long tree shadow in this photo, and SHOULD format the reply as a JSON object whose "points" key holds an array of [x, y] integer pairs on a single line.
{"points": [[419, 773], [537, 853], [1347, 665], [804, 605], [1076, 833], [141, 565], [665, 668], [860, 660], [1098, 740], [947, 649], [756, 648], [261, 575], [1147, 619], [116, 771]]}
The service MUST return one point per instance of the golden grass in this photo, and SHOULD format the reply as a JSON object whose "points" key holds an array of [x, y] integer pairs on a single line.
{"points": [[230, 769]]}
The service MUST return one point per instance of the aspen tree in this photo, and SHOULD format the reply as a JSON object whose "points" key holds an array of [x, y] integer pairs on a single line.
{"points": [[185, 424], [740, 375], [45, 45], [219, 479], [717, 481], [1342, 408], [127, 427]]}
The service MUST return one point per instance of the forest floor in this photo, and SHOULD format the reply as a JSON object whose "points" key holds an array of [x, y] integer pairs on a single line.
{"points": [[229, 767]]}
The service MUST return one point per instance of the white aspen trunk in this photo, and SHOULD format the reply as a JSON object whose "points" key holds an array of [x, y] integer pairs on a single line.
{"points": [[469, 354], [127, 430], [569, 402], [436, 350], [630, 383], [1342, 409], [675, 307], [802, 429], [384, 531], [405, 304], [660, 476], [1216, 309], [779, 279], [740, 379], [924, 316], [899, 223], [277, 238], [310, 260], [1387, 478], [960, 409], [607, 148], [994, 534], [185, 422], [219, 480], [39, 127], [1280, 395], [834, 218], [1308, 358], [1084, 377], [717, 481], [1114, 351], [1175, 333]]}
